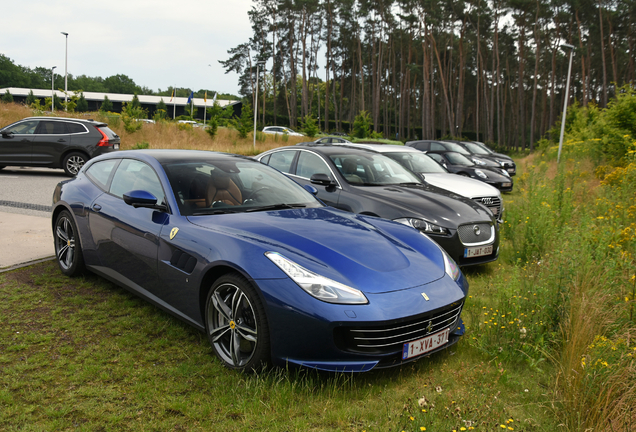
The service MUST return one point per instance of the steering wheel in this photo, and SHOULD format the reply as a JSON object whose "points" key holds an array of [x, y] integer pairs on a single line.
{"points": [[255, 192]]}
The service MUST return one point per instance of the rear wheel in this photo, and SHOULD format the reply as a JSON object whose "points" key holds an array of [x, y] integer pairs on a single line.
{"points": [[67, 245], [73, 163], [236, 325]]}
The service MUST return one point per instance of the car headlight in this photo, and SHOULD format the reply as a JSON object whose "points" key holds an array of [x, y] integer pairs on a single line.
{"points": [[504, 172], [450, 266], [500, 162], [423, 226], [481, 174], [315, 285], [479, 162]]}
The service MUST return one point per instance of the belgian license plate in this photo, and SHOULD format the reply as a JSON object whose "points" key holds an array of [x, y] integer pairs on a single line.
{"points": [[477, 251], [424, 345], [506, 184], [511, 170], [116, 146]]}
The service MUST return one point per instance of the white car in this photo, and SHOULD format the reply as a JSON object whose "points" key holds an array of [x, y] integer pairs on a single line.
{"points": [[436, 175], [280, 130]]}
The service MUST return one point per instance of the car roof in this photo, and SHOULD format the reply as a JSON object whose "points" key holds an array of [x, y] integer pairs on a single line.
{"points": [[330, 149], [380, 148], [175, 156], [91, 121]]}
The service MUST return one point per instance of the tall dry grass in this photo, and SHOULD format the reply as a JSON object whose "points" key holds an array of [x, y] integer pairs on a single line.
{"points": [[167, 135]]}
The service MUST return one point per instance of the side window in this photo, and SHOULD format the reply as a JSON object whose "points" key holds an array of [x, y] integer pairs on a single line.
{"points": [[310, 164], [23, 128], [436, 157], [47, 127], [75, 128], [265, 160], [135, 175], [438, 147], [282, 160], [100, 172], [423, 146]]}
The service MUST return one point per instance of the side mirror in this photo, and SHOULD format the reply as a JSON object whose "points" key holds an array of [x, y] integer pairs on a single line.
{"points": [[322, 179], [7, 134], [312, 190], [142, 198]]}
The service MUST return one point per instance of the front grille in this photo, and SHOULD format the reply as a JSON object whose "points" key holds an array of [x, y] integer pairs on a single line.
{"points": [[492, 202], [390, 337], [476, 234]]}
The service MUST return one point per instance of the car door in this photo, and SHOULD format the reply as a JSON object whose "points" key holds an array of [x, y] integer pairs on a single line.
{"points": [[50, 140], [310, 163], [127, 238], [16, 143]]}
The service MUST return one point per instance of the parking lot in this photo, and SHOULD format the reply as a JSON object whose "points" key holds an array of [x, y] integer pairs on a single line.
{"points": [[25, 204]]}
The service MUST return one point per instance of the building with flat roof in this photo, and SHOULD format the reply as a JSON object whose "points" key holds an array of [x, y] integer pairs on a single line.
{"points": [[176, 107]]}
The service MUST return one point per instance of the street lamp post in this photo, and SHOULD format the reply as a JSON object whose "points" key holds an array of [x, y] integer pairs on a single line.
{"points": [[258, 64], [66, 73], [53, 89], [565, 102]]}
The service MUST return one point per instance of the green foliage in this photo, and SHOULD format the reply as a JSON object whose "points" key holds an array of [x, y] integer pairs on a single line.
{"points": [[309, 126], [135, 101], [130, 114], [107, 105], [245, 124], [162, 106], [7, 97], [142, 145], [213, 126], [160, 115], [30, 98], [362, 125], [82, 104]]}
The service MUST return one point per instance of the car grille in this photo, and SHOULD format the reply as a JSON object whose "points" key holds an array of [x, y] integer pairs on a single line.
{"points": [[492, 202], [476, 234], [390, 337]]}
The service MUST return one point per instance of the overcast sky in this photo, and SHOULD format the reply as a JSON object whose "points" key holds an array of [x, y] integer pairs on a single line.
{"points": [[157, 43]]}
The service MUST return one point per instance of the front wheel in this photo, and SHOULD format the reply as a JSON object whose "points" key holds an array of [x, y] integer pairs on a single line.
{"points": [[68, 249], [73, 163], [236, 324]]}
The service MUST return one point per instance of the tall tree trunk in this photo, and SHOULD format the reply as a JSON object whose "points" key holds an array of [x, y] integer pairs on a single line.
{"points": [[600, 18], [537, 41]]}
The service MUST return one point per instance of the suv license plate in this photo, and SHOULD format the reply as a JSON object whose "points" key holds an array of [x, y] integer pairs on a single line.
{"points": [[477, 251], [424, 345], [116, 146]]}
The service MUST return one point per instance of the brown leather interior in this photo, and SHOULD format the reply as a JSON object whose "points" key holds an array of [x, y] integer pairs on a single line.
{"points": [[223, 189]]}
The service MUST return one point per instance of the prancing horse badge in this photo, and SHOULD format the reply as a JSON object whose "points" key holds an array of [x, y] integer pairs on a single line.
{"points": [[173, 232]]}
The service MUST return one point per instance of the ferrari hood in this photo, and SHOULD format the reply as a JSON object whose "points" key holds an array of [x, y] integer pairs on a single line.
{"points": [[371, 254]]}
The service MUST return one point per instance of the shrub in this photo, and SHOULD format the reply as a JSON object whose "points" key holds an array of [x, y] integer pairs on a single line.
{"points": [[309, 126], [213, 126], [7, 97], [141, 145], [362, 125]]}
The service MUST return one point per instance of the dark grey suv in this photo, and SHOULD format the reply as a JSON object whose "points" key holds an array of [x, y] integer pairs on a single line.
{"points": [[55, 142]]}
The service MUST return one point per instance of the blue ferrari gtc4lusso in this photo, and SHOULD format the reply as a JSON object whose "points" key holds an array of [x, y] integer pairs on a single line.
{"points": [[268, 272]]}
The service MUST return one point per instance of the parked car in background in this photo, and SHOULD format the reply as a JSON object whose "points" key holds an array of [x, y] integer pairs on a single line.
{"points": [[247, 256], [435, 174], [505, 163], [327, 140], [280, 130], [55, 142], [458, 163], [367, 182], [495, 154], [429, 146]]}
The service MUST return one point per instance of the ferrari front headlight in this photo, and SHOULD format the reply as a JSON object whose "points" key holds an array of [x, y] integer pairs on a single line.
{"points": [[317, 286]]}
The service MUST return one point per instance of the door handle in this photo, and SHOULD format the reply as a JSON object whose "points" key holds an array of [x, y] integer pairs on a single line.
{"points": [[61, 140], [97, 207]]}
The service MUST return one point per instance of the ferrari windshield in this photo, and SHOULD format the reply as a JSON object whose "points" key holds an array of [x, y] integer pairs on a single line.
{"points": [[372, 169], [417, 162], [232, 186]]}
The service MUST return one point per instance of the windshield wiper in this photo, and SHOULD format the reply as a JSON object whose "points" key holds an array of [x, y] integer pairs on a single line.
{"points": [[410, 184], [275, 207], [213, 211]]}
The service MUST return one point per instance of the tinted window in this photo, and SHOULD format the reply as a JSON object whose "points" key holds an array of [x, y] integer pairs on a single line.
{"points": [[424, 146], [456, 148], [135, 175], [436, 157], [282, 160], [75, 128], [47, 127], [25, 127], [437, 147], [459, 159], [474, 148], [100, 172], [310, 164]]}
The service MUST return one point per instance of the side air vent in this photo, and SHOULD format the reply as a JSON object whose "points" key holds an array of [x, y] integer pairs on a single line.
{"points": [[183, 261]]}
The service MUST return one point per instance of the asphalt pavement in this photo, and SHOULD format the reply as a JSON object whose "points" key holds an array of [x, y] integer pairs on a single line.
{"points": [[25, 215]]}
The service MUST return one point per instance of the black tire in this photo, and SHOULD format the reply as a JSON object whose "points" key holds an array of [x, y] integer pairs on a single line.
{"points": [[236, 324], [68, 249], [73, 163]]}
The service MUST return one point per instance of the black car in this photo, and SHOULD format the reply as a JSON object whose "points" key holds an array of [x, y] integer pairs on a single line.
{"points": [[55, 142], [458, 163], [500, 156], [369, 183], [504, 162], [428, 146]]}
